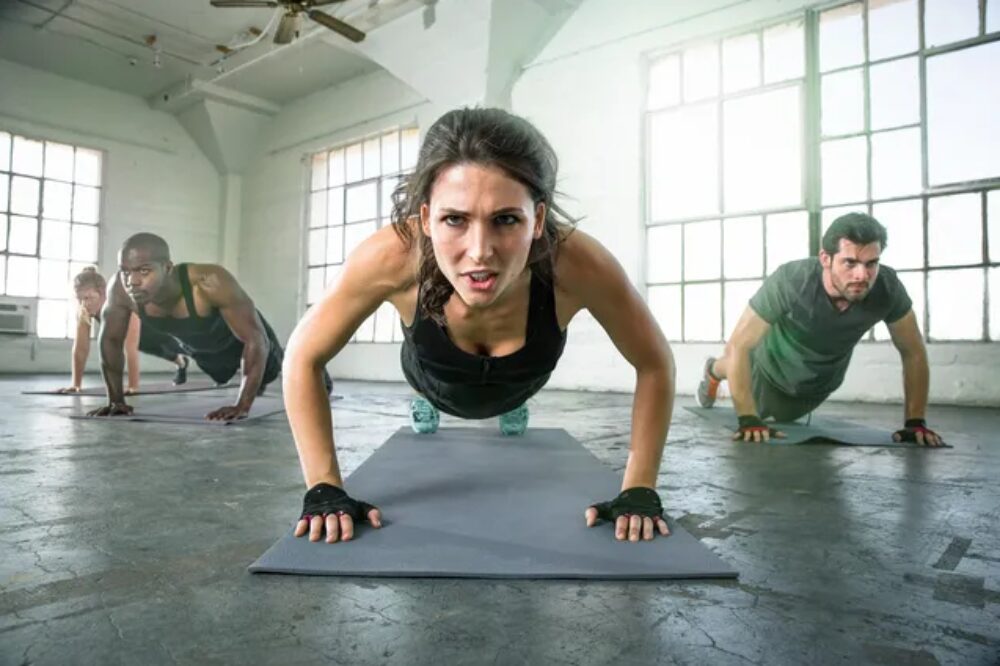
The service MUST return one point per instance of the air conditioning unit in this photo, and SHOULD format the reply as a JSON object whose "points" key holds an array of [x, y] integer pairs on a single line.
{"points": [[17, 315]]}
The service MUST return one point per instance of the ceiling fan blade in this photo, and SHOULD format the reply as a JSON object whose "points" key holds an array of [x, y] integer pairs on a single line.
{"points": [[244, 3], [336, 25], [320, 3], [288, 29]]}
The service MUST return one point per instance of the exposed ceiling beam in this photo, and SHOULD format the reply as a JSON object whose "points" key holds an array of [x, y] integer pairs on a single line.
{"points": [[186, 93]]}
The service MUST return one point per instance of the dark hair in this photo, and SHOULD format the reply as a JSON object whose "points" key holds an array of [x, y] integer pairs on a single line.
{"points": [[488, 137], [859, 228], [156, 246], [89, 278]]}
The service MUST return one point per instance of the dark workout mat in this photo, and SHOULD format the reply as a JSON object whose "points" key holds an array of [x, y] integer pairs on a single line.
{"points": [[470, 503], [192, 410], [819, 431], [155, 388]]}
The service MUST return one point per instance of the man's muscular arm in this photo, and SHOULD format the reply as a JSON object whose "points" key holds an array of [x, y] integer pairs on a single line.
{"points": [[221, 290]]}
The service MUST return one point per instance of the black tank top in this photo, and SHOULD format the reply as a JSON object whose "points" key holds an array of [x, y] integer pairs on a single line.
{"points": [[200, 335], [477, 386]]}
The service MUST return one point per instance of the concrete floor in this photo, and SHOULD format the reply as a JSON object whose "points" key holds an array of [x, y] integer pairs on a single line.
{"points": [[128, 544]]}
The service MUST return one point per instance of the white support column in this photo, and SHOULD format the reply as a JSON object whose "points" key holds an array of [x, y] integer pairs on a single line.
{"points": [[230, 221]]}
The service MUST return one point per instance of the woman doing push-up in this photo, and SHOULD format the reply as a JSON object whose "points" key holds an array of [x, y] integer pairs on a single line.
{"points": [[486, 272]]}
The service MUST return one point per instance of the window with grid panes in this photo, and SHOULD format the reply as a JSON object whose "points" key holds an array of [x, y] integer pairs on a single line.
{"points": [[724, 176], [905, 112], [50, 210], [349, 199], [910, 133]]}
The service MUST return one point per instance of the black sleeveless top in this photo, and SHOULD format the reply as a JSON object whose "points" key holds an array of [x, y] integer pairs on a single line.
{"points": [[199, 335], [475, 386]]}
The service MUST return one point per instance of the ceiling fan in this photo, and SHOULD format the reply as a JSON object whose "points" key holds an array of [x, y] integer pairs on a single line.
{"points": [[288, 28]]}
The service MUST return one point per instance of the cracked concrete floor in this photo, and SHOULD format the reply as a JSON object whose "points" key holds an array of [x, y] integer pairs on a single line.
{"points": [[128, 544]]}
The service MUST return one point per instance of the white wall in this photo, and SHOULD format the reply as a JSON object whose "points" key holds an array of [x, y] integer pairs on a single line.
{"points": [[155, 179]]}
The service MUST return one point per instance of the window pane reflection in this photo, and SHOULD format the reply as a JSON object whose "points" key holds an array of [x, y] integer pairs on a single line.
{"points": [[955, 299], [763, 124], [843, 107], [703, 312], [845, 170], [895, 93], [841, 42], [787, 238], [954, 230], [962, 94], [903, 221], [702, 256], [743, 247], [663, 254], [684, 163], [893, 28]]}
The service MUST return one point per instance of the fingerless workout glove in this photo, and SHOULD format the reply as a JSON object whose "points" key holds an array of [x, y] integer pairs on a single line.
{"points": [[637, 501], [323, 499], [910, 429], [752, 423]]}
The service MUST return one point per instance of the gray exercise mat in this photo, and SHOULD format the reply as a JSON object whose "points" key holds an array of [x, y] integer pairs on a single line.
{"points": [[192, 410], [145, 389], [470, 503], [819, 431]]}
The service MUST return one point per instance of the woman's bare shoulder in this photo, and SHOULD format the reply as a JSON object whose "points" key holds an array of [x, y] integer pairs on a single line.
{"points": [[386, 260], [579, 256]]}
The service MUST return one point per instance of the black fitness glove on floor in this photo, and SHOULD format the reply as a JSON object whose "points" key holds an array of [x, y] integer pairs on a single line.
{"points": [[631, 502], [323, 499]]}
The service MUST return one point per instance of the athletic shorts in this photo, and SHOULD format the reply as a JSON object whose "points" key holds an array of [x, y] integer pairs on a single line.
{"points": [[773, 402]]}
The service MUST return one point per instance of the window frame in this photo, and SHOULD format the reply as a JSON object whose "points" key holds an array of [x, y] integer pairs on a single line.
{"points": [[813, 140], [101, 186], [380, 219]]}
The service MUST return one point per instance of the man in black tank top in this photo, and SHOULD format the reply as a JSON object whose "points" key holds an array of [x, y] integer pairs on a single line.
{"points": [[199, 305]]}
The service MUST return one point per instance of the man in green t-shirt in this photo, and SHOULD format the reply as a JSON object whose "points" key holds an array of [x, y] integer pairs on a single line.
{"points": [[792, 345]]}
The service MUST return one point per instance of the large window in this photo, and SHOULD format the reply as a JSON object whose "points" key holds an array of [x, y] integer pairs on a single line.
{"points": [[50, 208], [725, 176], [893, 113], [350, 197]]}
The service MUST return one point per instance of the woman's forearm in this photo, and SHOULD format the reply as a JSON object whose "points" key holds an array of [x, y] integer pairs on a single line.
{"points": [[309, 415], [651, 411]]}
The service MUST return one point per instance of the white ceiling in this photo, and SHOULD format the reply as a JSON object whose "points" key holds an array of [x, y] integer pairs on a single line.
{"points": [[103, 42]]}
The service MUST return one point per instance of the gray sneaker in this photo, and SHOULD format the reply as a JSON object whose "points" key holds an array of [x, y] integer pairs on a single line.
{"points": [[708, 389], [514, 422], [424, 417]]}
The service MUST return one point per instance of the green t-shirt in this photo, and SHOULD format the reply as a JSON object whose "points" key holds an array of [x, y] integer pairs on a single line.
{"points": [[809, 345]]}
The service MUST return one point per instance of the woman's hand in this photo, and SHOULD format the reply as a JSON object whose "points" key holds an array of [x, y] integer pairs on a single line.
{"points": [[637, 514], [327, 507]]}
